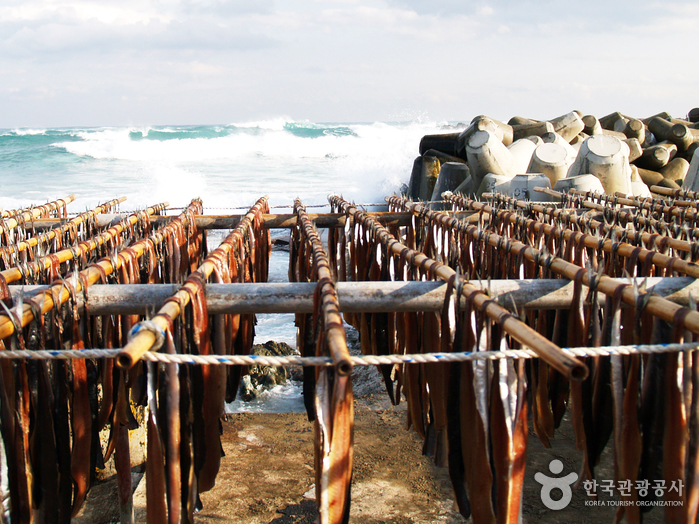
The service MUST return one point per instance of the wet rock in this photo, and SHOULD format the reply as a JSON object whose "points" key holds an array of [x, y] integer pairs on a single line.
{"points": [[261, 378]]}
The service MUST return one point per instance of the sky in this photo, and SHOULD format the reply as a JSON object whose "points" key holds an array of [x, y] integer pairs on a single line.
{"points": [[170, 62]]}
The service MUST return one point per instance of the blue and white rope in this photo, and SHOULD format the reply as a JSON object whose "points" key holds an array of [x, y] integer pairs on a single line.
{"points": [[364, 360]]}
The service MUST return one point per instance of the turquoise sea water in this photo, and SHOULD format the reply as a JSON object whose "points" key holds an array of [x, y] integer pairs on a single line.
{"points": [[227, 165]]}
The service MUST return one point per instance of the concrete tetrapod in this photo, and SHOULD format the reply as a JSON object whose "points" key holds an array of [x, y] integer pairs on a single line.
{"points": [[606, 157], [552, 160], [487, 154], [451, 175]]}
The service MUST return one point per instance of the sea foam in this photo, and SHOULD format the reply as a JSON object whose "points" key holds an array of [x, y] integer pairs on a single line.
{"points": [[227, 165]]}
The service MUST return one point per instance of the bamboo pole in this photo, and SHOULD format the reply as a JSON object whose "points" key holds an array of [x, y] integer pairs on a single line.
{"points": [[658, 306], [547, 350], [693, 196], [270, 221], [41, 208], [674, 243], [144, 340], [14, 274], [50, 235], [334, 331], [656, 201], [592, 241], [90, 275], [353, 297], [653, 205], [27, 216]]}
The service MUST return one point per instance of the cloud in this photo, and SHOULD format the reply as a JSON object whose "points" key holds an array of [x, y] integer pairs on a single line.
{"points": [[60, 38], [172, 61]]}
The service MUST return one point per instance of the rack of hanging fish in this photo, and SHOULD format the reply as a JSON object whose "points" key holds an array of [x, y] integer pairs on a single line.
{"points": [[472, 415], [52, 410], [110, 317]]}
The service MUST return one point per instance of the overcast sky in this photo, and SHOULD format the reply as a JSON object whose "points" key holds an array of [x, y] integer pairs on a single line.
{"points": [[133, 62]]}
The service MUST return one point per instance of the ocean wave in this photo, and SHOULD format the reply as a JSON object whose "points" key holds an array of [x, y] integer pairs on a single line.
{"points": [[274, 124], [291, 141], [224, 165], [26, 132]]}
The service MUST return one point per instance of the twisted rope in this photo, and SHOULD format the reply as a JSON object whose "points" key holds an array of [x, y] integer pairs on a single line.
{"points": [[364, 360]]}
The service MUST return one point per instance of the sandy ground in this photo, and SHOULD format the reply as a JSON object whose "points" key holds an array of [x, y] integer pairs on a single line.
{"points": [[267, 473]]}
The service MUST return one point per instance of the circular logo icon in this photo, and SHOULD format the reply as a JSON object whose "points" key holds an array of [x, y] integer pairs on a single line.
{"points": [[550, 483]]}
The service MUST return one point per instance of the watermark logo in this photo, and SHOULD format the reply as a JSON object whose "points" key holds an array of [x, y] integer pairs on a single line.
{"points": [[550, 483]]}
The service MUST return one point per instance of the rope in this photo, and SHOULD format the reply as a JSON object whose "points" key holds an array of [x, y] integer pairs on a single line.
{"points": [[378, 204], [364, 360]]}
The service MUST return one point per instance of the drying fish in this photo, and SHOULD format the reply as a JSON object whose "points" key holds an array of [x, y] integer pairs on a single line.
{"points": [[334, 402]]}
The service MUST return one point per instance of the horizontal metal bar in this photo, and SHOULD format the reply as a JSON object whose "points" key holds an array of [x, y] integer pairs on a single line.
{"points": [[354, 297], [271, 221]]}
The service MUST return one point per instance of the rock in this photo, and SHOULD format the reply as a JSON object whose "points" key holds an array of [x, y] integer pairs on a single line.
{"points": [[261, 378], [281, 243], [247, 392], [606, 157], [451, 175]]}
